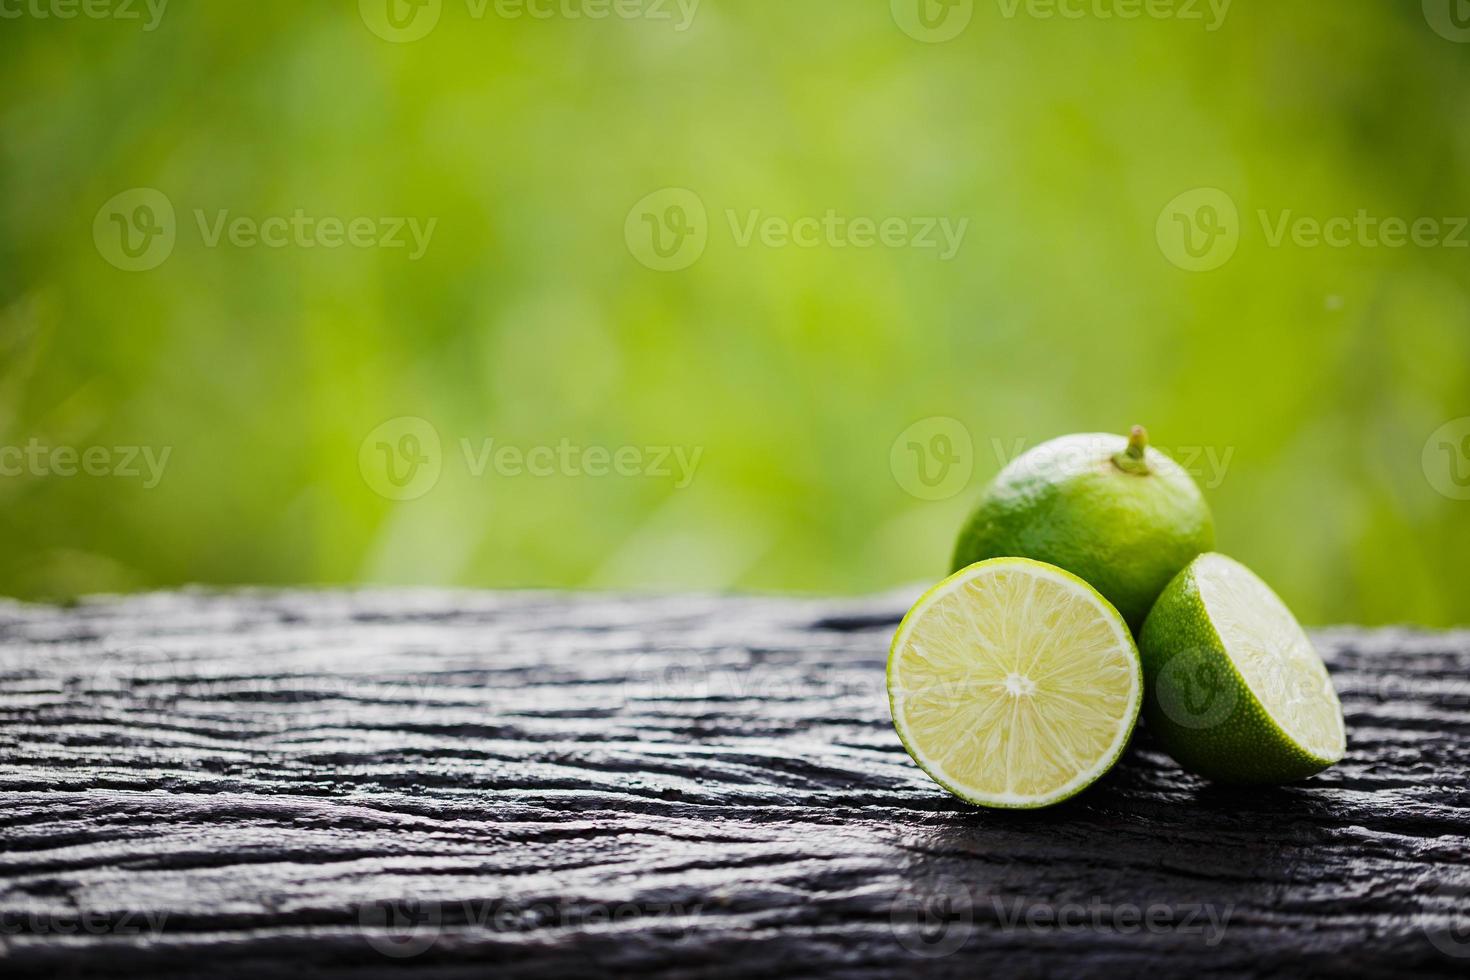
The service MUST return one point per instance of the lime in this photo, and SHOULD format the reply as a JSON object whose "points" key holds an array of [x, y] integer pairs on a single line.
{"points": [[1236, 691], [1123, 516], [1014, 684]]}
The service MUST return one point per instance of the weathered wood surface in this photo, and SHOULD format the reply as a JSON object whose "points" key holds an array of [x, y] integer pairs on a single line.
{"points": [[473, 785]]}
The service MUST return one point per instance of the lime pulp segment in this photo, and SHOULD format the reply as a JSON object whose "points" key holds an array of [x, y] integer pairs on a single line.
{"points": [[1014, 684]]}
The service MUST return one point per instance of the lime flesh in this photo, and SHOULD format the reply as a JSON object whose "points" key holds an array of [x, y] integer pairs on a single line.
{"points": [[1236, 691], [1014, 684]]}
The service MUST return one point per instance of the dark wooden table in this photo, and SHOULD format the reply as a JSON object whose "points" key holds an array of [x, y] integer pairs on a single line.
{"points": [[488, 785]]}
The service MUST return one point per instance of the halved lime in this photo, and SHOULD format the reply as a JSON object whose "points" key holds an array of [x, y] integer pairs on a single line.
{"points": [[1014, 684], [1236, 691]]}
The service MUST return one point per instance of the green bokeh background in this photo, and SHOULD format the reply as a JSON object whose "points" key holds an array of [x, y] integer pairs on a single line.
{"points": [[1322, 371]]}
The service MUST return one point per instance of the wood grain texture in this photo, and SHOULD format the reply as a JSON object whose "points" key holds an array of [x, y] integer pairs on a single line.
{"points": [[473, 785]]}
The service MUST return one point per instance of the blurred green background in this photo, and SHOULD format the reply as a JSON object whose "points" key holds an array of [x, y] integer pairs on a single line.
{"points": [[1319, 372]]}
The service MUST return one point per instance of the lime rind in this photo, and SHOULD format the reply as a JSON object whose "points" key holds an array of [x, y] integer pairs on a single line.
{"points": [[1059, 730]]}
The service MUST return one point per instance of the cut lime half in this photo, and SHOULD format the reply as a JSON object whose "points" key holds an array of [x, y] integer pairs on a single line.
{"points": [[1236, 691], [1014, 684]]}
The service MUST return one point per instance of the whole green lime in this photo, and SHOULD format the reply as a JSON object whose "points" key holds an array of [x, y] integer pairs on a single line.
{"points": [[1119, 514], [1235, 689]]}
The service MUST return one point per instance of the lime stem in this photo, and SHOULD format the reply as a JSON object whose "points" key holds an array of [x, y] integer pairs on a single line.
{"points": [[1133, 459]]}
